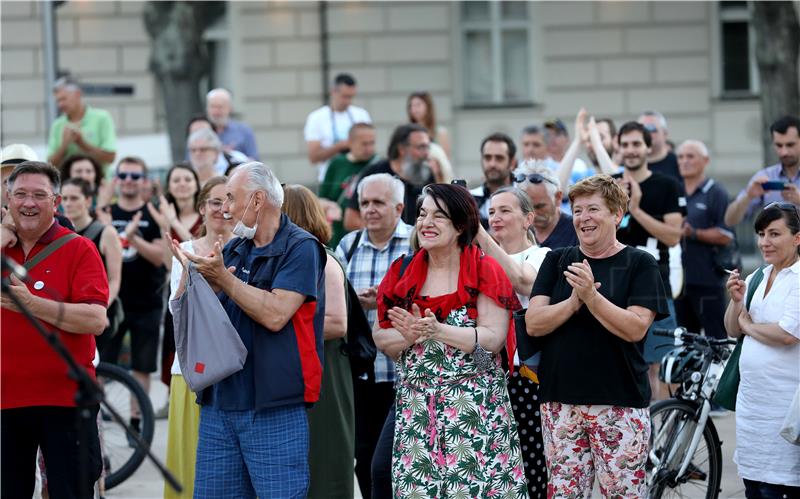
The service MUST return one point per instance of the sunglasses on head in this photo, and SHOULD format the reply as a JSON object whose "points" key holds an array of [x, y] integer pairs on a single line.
{"points": [[783, 205], [129, 175], [650, 128], [533, 178]]}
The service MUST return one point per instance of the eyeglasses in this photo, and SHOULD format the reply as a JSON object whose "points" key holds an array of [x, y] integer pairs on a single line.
{"points": [[38, 196], [650, 128], [533, 178], [215, 204], [129, 175], [420, 147]]}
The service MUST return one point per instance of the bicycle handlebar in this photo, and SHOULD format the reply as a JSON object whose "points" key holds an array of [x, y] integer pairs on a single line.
{"points": [[687, 337]]}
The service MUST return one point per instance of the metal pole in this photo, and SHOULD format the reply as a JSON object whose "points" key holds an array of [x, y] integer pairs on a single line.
{"points": [[50, 52], [325, 56]]}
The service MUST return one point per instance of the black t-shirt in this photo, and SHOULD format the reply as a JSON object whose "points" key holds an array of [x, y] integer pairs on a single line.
{"points": [[412, 191], [142, 282], [563, 235], [582, 362], [668, 166], [660, 195]]}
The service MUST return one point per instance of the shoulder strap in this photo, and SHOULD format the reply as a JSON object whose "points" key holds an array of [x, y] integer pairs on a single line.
{"points": [[758, 276], [94, 229], [353, 246], [404, 263], [49, 250]]}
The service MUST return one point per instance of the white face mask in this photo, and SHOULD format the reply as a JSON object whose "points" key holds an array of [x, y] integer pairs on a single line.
{"points": [[240, 229]]}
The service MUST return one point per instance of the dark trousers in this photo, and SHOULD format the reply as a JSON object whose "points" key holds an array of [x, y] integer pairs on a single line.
{"points": [[382, 460], [702, 307], [54, 429], [763, 490], [372, 401]]}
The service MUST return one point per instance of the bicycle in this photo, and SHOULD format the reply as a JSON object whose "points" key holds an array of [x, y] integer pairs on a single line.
{"points": [[685, 458], [120, 457]]}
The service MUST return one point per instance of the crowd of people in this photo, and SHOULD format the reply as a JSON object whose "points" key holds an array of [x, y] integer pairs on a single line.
{"points": [[586, 257]]}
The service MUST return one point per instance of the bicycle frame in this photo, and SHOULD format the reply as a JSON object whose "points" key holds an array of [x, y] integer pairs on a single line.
{"points": [[698, 392]]}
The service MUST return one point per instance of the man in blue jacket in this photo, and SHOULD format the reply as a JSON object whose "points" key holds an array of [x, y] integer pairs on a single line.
{"points": [[253, 438]]}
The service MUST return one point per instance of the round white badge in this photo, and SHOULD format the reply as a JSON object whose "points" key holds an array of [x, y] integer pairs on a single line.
{"points": [[38, 285]]}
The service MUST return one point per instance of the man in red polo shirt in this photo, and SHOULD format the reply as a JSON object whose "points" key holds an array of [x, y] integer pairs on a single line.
{"points": [[67, 291]]}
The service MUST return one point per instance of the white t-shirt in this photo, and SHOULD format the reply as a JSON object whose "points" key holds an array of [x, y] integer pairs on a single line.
{"points": [[533, 256], [174, 280], [769, 378], [328, 127]]}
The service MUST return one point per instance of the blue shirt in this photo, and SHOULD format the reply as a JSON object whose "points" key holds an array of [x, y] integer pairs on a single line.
{"points": [[705, 209], [239, 137], [563, 235], [774, 172], [283, 368], [366, 268]]}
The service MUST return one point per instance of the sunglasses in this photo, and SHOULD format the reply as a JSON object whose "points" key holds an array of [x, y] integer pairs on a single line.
{"points": [[533, 178], [129, 175], [782, 205], [650, 128]]}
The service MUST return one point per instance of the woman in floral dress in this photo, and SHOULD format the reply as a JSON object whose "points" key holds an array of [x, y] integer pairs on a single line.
{"points": [[445, 320]]}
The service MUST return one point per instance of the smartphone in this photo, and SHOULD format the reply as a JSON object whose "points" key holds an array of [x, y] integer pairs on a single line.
{"points": [[460, 181], [774, 185]]}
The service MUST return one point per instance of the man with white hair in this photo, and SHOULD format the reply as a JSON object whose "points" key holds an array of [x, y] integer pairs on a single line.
{"points": [[552, 227], [253, 436], [235, 135], [705, 234], [80, 128], [207, 156], [661, 159], [368, 253]]}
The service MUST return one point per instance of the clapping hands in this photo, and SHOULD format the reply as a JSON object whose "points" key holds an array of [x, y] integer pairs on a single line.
{"points": [[413, 326]]}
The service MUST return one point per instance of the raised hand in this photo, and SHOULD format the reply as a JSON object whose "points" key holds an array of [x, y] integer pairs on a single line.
{"points": [[404, 321], [736, 286], [133, 225], [579, 275]]}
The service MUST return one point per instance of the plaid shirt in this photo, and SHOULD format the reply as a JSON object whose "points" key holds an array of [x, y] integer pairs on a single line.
{"points": [[366, 268]]}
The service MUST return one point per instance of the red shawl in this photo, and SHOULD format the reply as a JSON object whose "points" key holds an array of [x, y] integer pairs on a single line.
{"points": [[478, 273]]}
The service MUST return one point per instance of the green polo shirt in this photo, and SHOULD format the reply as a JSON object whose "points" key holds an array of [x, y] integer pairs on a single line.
{"points": [[97, 128]]}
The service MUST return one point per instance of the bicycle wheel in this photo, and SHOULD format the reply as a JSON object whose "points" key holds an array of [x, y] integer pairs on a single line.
{"points": [[120, 388], [672, 426]]}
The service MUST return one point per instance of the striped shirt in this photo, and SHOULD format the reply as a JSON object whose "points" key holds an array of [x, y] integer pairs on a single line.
{"points": [[366, 268]]}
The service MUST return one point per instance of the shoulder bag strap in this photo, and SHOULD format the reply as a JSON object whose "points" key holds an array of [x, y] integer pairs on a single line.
{"points": [[353, 246], [49, 250], [94, 229], [758, 276]]}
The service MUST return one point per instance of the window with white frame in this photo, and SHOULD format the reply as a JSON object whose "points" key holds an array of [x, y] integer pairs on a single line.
{"points": [[738, 70], [495, 58]]}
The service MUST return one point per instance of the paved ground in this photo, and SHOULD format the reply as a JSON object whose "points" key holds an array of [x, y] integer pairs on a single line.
{"points": [[146, 483]]}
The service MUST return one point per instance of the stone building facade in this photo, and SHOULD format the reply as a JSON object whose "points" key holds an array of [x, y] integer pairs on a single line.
{"points": [[490, 66]]}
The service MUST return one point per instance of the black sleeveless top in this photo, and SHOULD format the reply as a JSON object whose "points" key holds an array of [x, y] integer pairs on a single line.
{"points": [[96, 237]]}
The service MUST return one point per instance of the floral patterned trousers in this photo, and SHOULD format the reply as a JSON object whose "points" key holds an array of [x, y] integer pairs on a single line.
{"points": [[581, 440]]}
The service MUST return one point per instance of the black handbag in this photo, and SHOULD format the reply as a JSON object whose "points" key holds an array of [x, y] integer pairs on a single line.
{"points": [[357, 344]]}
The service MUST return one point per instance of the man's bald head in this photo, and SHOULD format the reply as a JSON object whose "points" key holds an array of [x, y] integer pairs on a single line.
{"points": [[219, 107]]}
